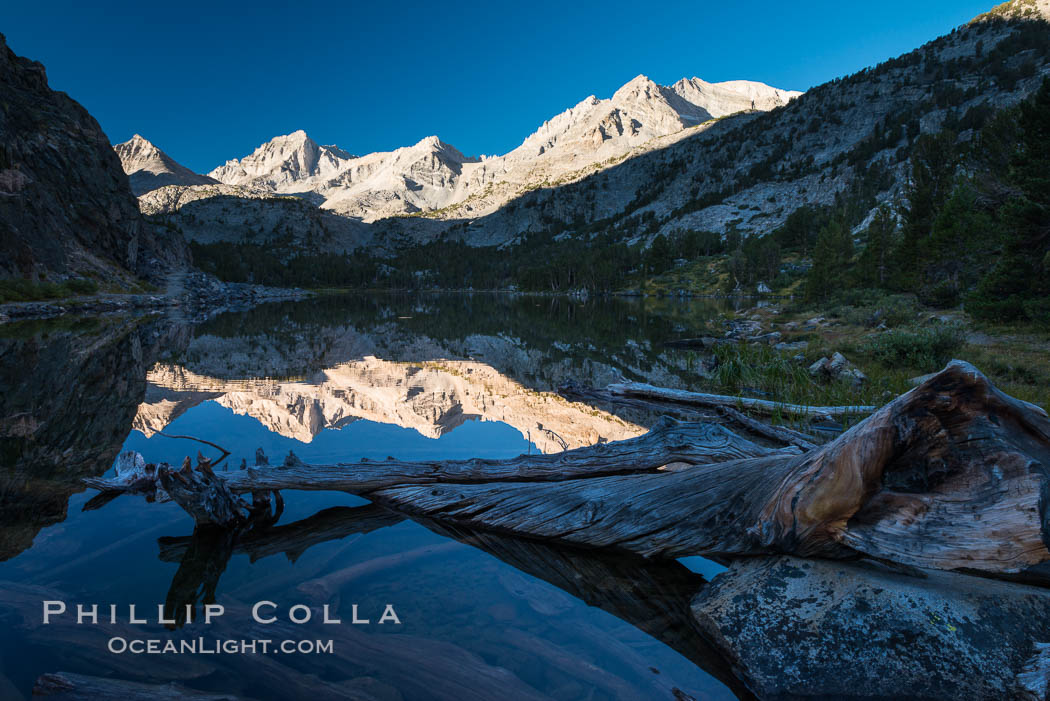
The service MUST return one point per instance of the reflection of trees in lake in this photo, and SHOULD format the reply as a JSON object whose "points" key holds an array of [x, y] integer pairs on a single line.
{"points": [[597, 331]]}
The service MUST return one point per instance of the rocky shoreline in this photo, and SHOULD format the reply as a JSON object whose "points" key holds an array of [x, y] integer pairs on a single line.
{"points": [[198, 296]]}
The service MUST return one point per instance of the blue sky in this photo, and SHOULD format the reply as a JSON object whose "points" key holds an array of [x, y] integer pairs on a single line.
{"points": [[211, 81]]}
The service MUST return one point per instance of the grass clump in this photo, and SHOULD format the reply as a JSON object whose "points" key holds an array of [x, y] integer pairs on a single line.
{"points": [[757, 369], [762, 371]]}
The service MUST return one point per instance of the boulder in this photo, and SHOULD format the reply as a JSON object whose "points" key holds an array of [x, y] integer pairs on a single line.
{"points": [[837, 364], [837, 367], [818, 367], [795, 628], [853, 375]]}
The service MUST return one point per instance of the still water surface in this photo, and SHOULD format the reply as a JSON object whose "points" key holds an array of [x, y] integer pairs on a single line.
{"points": [[338, 379]]}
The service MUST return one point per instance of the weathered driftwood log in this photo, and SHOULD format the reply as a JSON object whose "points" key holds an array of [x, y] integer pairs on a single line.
{"points": [[603, 398], [670, 441], [203, 494], [951, 475], [780, 434], [640, 389]]}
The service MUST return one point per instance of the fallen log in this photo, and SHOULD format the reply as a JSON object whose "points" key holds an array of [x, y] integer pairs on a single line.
{"points": [[678, 396], [782, 434], [575, 391], [948, 476], [202, 493], [668, 442]]}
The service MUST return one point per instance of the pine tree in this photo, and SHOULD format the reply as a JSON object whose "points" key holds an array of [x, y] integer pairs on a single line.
{"points": [[831, 257], [933, 164], [1018, 288], [873, 265]]}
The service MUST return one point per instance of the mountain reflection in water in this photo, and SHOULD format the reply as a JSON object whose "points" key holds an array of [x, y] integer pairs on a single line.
{"points": [[347, 377]]}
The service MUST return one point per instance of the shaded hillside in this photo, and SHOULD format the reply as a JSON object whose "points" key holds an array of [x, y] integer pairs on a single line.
{"points": [[65, 206]]}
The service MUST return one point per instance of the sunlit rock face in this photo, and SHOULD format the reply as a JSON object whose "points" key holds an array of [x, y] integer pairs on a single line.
{"points": [[149, 168], [433, 177], [432, 397]]}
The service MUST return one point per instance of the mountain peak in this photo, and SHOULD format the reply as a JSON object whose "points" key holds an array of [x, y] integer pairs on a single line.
{"points": [[284, 163], [430, 174], [298, 136], [149, 168], [640, 84], [432, 142], [137, 146]]}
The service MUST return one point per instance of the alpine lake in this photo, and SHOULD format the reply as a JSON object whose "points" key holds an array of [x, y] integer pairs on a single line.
{"points": [[334, 379]]}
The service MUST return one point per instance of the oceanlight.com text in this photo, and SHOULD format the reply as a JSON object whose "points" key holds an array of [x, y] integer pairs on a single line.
{"points": [[205, 646]]}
